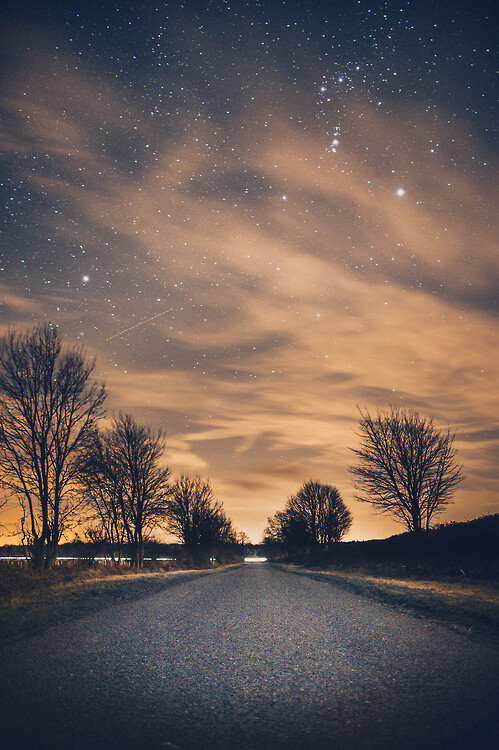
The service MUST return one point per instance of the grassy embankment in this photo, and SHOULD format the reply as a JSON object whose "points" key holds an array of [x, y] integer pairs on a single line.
{"points": [[466, 605], [32, 601], [449, 574]]}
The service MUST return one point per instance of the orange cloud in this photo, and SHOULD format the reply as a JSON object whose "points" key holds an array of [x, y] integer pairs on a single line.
{"points": [[301, 284]]}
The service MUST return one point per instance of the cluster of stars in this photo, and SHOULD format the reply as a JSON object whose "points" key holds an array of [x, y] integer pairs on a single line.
{"points": [[252, 166]]}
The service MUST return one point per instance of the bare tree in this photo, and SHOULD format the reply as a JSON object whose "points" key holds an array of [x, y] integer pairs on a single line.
{"points": [[325, 514], [48, 407], [101, 491], [406, 466], [316, 516], [281, 530], [126, 483], [195, 517]]}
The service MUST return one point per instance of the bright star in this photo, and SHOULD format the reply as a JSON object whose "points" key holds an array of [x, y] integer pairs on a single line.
{"points": [[85, 279], [400, 192]]}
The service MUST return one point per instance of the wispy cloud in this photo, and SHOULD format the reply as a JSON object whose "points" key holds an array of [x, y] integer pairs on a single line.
{"points": [[300, 283]]}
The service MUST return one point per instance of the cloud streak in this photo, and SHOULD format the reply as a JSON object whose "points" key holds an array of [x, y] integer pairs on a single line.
{"points": [[299, 283]]}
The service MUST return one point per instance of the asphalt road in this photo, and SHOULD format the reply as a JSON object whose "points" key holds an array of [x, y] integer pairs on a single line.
{"points": [[250, 658]]}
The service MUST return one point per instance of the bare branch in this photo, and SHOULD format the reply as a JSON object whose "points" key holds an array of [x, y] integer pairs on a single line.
{"points": [[48, 406], [406, 467]]}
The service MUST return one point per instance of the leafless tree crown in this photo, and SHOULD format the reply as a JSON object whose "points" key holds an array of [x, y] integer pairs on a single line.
{"points": [[406, 467], [195, 517], [48, 407]]}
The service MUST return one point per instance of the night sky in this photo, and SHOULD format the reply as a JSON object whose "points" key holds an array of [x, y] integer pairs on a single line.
{"points": [[259, 216]]}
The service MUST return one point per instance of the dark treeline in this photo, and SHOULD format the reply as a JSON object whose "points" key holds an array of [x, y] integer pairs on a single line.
{"points": [[66, 471], [160, 555], [467, 548]]}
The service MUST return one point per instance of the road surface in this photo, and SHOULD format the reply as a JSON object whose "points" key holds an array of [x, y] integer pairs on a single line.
{"points": [[250, 658]]}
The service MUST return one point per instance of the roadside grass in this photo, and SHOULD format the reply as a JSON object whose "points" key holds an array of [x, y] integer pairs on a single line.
{"points": [[469, 606], [32, 601]]}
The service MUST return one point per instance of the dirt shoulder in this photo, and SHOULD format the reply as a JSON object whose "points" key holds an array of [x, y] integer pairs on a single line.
{"points": [[468, 606], [29, 606]]}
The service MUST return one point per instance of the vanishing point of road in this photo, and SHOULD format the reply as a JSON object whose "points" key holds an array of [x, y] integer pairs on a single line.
{"points": [[251, 658]]}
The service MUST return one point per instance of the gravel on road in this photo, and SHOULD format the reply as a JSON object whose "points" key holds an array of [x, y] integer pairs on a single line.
{"points": [[249, 658]]}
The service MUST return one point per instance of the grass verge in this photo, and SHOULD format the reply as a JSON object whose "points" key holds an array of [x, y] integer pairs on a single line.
{"points": [[31, 602], [470, 607]]}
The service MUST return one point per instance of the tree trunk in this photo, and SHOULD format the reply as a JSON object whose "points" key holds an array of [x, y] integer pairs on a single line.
{"points": [[416, 518], [137, 561], [36, 549], [50, 554]]}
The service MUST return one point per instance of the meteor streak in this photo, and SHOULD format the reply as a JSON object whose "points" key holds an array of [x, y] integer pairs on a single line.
{"points": [[115, 335]]}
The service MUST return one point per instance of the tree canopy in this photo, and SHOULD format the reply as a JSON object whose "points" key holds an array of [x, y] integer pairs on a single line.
{"points": [[406, 467], [315, 516], [48, 407]]}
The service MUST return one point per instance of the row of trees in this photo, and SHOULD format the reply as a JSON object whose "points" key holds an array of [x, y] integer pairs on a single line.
{"points": [[127, 489], [406, 468], [56, 461], [60, 466]]}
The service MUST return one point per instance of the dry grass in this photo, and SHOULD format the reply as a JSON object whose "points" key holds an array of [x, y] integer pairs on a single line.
{"points": [[20, 584], [31, 601], [467, 605], [483, 592]]}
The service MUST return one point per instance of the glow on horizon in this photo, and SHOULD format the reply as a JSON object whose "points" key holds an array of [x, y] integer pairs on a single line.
{"points": [[324, 243]]}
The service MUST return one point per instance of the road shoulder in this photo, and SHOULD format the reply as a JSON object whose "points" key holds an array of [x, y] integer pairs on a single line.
{"points": [[39, 610], [470, 608]]}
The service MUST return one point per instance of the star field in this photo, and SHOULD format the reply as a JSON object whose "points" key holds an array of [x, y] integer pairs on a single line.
{"points": [[257, 216]]}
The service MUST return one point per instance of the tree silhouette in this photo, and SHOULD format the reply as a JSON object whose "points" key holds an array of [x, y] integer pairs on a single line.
{"points": [[406, 468], [48, 408], [315, 516], [196, 518], [101, 490], [126, 482]]}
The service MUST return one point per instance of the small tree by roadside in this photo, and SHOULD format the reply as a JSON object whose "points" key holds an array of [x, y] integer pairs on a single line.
{"points": [[195, 518], [406, 468], [315, 517]]}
